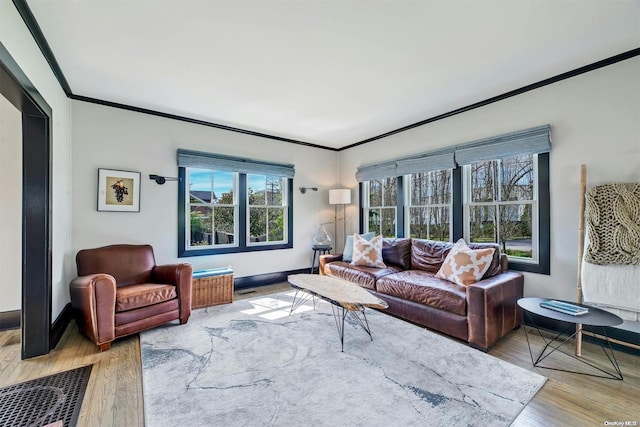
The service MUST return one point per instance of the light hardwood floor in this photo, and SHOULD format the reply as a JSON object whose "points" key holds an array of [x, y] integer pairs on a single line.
{"points": [[114, 392]]}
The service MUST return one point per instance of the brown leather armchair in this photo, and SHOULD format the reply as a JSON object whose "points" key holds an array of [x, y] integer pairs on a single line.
{"points": [[120, 291]]}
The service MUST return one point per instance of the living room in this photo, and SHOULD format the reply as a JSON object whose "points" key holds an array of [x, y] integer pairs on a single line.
{"points": [[593, 118]]}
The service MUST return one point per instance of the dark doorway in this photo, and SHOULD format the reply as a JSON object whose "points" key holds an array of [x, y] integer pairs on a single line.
{"points": [[36, 205]]}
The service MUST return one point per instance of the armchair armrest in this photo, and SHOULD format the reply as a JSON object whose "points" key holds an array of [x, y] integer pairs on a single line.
{"points": [[492, 308], [179, 275], [325, 259], [93, 298]]}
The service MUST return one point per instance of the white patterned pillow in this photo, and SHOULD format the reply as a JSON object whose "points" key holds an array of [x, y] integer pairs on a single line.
{"points": [[367, 253], [465, 266]]}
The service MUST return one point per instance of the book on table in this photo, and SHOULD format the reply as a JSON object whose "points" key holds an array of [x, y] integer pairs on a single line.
{"points": [[564, 307]]}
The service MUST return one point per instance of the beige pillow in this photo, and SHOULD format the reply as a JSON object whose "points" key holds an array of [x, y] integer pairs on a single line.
{"points": [[465, 266], [367, 253]]}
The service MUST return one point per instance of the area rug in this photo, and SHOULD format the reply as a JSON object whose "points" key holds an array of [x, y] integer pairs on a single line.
{"points": [[251, 363], [45, 400]]}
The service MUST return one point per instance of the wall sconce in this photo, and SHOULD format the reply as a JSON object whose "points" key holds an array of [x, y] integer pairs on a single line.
{"points": [[304, 189], [162, 179]]}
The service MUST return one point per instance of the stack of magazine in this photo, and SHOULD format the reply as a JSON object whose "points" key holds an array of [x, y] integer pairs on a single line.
{"points": [[564, 307]]}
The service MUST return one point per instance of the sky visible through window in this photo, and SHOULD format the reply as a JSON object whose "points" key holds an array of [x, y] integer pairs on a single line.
{"points": [[200, 180]]}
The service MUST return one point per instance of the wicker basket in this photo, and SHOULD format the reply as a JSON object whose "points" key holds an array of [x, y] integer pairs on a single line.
{"points": [[211, 290]]}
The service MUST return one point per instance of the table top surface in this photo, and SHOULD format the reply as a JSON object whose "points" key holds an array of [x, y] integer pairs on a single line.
{"points": [[341, 292], [595, 316]]}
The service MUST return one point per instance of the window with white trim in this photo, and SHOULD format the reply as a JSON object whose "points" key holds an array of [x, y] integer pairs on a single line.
{"points": [[500, 205], [230, 204], [381, 206], [429, 205]]}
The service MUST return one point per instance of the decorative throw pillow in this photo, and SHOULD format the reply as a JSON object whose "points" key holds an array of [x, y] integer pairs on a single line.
{"points": [[367, 253], [465, 266], [348, 245]]}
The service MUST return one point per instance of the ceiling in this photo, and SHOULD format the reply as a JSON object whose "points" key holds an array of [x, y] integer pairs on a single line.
{"points": [[329, 73]]}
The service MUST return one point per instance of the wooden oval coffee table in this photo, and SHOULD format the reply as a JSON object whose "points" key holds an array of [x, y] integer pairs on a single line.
{"points": [[345, 298]]}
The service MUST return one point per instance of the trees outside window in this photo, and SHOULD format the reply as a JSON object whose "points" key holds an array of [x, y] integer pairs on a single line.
{"points": [[500, 204], [212, 207], [429, 210], [380, 211], [266, 208]]}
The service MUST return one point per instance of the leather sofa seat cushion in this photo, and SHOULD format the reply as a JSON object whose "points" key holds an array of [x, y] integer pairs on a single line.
{"points": [[397, 252], [362, 275], [423, 288], [142, 295]]}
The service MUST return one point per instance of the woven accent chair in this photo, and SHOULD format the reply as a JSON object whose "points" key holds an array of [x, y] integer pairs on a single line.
{"points": [[120, 291]]}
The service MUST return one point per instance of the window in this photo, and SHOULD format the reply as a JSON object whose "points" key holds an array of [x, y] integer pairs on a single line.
{"points": [[491, 190], [267, 214], [212, 207], [429, 205], [230, 204], [381, 206], [501, 205]]}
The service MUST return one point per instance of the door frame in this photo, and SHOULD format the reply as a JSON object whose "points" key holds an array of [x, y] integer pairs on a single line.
{"points": [[16, 87]]}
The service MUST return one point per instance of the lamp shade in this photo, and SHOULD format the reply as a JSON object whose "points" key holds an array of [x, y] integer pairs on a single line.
{"points": [[340, 196]]}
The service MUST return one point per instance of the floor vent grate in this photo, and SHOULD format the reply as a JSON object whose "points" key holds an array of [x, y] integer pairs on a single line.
{"points": [[45, 400]]}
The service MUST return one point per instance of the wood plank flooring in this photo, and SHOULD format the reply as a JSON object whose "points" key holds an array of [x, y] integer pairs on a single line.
{"points": [[114, 392]]}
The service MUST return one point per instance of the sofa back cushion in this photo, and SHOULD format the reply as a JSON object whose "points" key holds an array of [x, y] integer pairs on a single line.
{"points": [[428, 255], [397, 252]]}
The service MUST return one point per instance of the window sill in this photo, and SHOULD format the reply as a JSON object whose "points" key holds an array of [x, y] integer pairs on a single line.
{"points": [[232, 250]]}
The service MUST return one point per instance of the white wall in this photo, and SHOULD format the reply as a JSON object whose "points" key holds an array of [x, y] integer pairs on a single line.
{"points": [[595, 120], [105, 137], [10, 206], [17, 39]]}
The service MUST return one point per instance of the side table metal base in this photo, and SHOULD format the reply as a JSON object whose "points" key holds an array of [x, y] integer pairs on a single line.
{"points": [[554, 344]]}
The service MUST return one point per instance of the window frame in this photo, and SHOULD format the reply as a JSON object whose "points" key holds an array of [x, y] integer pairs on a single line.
{"points": [[429, 205], [240, 241], [398, 208], [283, 205], [459, 224]]}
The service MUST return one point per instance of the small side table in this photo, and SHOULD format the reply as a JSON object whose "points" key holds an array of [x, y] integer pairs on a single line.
{"points": [[317, 251], [595, 318]]}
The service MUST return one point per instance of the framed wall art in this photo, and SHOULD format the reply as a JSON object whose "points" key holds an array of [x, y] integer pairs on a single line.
{"points": [[118, 191]]}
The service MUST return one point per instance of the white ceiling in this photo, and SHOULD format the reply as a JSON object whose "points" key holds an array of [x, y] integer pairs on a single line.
{"points": [[330, 73]]}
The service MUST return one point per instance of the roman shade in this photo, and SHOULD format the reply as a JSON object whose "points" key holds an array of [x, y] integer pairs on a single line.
{"points": [[529, 141], [431, 161], [377, 171], [201, 160]]}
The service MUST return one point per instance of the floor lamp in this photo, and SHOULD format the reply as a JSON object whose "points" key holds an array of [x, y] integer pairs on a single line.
{"points": [[340, 196]]}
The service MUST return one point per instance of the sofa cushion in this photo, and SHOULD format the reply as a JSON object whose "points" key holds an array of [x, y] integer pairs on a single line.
{"points": [[367, 253], [363, 276], [495, 267], [428, 255], [424, 288], [137, 296], [347, 253], [397, 252], [465, 266]]}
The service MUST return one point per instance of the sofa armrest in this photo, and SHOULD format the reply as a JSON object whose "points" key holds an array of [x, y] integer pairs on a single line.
{"points": [[492, 308], [179, 275], [93, 298], [326, 259]]}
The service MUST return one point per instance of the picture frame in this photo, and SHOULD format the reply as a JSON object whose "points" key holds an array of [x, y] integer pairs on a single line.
{"points": [[118, 191]]}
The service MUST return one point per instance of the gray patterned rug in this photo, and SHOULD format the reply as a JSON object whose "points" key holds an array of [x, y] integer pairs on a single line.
{"points": [[252, 364]]}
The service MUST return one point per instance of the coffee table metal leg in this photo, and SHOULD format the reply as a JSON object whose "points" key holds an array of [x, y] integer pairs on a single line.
{"points": [[339, 314], [299, 299]]}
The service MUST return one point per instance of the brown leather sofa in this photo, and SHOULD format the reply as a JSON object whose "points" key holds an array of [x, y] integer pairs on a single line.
{"points": [[120, 291], [480, 313]]}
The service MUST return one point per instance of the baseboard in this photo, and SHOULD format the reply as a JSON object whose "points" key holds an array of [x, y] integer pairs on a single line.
{"points": [[633, 338], [264, 279], [10, 320], [60, 324]]}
